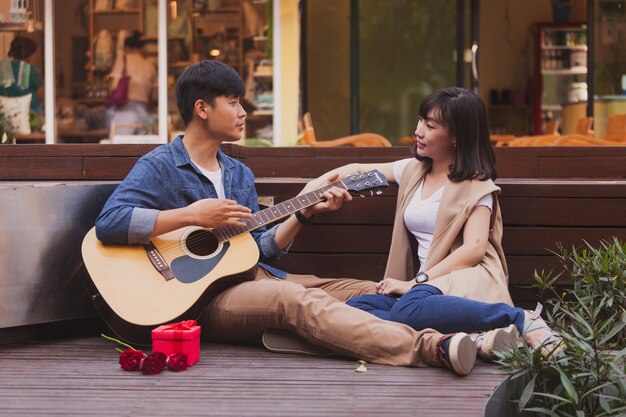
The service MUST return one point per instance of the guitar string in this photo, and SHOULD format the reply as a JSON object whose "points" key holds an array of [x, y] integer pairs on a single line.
{"points": [[226, 231], [174, 246], [203, 238]]}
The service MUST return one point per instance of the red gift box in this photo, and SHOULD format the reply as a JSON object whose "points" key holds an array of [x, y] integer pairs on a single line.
{"points": [[182, 337]]}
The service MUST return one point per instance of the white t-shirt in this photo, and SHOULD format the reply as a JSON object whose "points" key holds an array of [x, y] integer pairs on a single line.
{"points": [[420, 215], [216, 179]]}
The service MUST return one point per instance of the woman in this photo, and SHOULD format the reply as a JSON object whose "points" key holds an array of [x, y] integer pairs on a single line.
{"points": [[448, 228], [133, 117], [21, 77]]}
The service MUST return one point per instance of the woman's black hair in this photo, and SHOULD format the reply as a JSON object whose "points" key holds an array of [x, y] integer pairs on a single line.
{"points": [[134, 41], [206, 80], [463, 113], [22, 47]]}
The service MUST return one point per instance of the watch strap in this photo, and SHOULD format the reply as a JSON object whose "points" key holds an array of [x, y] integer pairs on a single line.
{"points": [[302, 219]]}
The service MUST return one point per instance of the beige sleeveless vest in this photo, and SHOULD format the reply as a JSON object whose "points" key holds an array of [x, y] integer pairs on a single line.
{"points": [[487, 281]]}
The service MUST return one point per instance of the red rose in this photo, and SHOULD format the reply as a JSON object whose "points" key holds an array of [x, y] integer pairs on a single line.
{"points": [[154, 363], [130, 359], [177, 362]]}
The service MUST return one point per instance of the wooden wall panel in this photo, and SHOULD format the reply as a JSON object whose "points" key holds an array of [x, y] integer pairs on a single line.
{"points": [[602, 212], [539, 162], [37, 167], [548, 195]]}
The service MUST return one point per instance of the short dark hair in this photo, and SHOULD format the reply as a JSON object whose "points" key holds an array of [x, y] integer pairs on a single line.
{"points": [[22, 47], [463, 113], [206, 80], [134, 41]]}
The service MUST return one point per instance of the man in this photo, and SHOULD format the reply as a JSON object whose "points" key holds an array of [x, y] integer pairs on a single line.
{"points": [[155, 198]]}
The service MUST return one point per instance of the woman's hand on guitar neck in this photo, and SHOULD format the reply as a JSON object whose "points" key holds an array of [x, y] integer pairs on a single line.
{"points": [[208, 212]]}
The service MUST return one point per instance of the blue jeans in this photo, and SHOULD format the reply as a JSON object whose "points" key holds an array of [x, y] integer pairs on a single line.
{"points": [[424, 306]]}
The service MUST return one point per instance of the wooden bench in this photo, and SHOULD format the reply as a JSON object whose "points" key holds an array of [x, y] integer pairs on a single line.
{"points": [[548, 195]]}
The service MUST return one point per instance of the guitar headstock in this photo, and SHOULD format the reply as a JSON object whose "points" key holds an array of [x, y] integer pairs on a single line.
{"points": [[371, 181]]}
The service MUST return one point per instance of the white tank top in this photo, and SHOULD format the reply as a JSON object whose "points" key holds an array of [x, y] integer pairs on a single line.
{"points": [[420, 215]]}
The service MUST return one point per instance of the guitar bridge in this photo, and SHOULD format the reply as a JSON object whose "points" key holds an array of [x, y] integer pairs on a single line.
{"points": [[158, 262]]}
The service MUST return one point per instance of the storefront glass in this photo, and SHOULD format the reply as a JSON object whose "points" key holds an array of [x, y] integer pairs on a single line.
{"points": [[406, 51], [402, 51], [98, 42], [610, 70], [22, 70]]}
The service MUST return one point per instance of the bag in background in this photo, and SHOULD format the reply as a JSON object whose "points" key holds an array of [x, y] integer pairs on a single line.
{"points": [[16, 113], [119, 98]]}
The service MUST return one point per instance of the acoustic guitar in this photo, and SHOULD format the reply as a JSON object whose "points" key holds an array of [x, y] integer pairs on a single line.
{"points": [[136, 288]]}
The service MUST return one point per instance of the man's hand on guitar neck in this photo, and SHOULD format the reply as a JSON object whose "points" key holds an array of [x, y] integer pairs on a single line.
{"points": [[209, 212]]}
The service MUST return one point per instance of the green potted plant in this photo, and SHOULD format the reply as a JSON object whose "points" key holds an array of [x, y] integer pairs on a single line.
{"points": [[588, 379]]}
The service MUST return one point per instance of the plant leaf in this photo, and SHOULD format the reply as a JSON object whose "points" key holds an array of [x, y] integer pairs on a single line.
{"points": [[527, 393]]}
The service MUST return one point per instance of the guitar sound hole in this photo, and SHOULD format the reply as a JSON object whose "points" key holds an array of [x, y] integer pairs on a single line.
{"points": [[201, 243]]}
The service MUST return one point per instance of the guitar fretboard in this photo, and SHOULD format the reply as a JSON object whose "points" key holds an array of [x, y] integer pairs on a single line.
{"points": [[278, 211]]}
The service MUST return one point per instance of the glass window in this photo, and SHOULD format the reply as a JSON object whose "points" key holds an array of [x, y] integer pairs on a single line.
{"points": [[22, 71], [101, 48], [236, 32], [406, 50], [609, 67]]}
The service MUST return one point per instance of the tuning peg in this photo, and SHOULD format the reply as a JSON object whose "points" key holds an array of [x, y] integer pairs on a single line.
{"points": [[378, 192], [361, 195], [371, 193]]}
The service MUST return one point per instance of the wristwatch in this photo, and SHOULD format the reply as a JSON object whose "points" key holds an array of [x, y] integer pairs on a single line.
{"points": [[303, 219], [421, 277]]}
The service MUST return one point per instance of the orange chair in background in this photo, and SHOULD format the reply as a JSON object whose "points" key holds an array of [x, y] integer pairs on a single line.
{"points": [[362, 139], [551, 127], [583, 127], [583, 130], [550, 131], [614, 135]]}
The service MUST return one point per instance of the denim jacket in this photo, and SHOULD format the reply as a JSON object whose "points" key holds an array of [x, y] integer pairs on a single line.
{"points": [[166, 179]]}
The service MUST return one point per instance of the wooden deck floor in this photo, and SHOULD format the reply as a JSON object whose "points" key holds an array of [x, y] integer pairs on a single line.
{"points": [[81, 377]]}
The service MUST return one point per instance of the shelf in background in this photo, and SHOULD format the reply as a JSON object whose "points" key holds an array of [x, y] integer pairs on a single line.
{"points": [[570, 71], [37, 137], [116, 11], [92, 100], [564, 48]]}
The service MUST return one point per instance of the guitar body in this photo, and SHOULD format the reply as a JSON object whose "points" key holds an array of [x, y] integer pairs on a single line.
{"points": [[133, 296], [136, 288]]}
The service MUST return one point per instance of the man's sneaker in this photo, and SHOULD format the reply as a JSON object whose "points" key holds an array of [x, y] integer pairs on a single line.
{"points": [[456, 352], [497, 340]]}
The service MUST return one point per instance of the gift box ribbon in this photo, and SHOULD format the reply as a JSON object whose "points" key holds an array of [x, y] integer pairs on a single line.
{"points": [[181, 325], [179, 330]]}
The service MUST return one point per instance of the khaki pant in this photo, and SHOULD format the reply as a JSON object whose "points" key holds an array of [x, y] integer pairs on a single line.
{"points": [[314, 308]]}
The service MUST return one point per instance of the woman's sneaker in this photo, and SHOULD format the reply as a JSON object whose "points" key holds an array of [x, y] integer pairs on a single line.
{"points": [[538, 334], [456, 352], [497, 340]]}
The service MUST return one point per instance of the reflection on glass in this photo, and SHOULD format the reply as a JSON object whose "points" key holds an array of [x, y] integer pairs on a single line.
{"points": [[236, 32], [406, 51], [92, 54], [22, 73]]}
